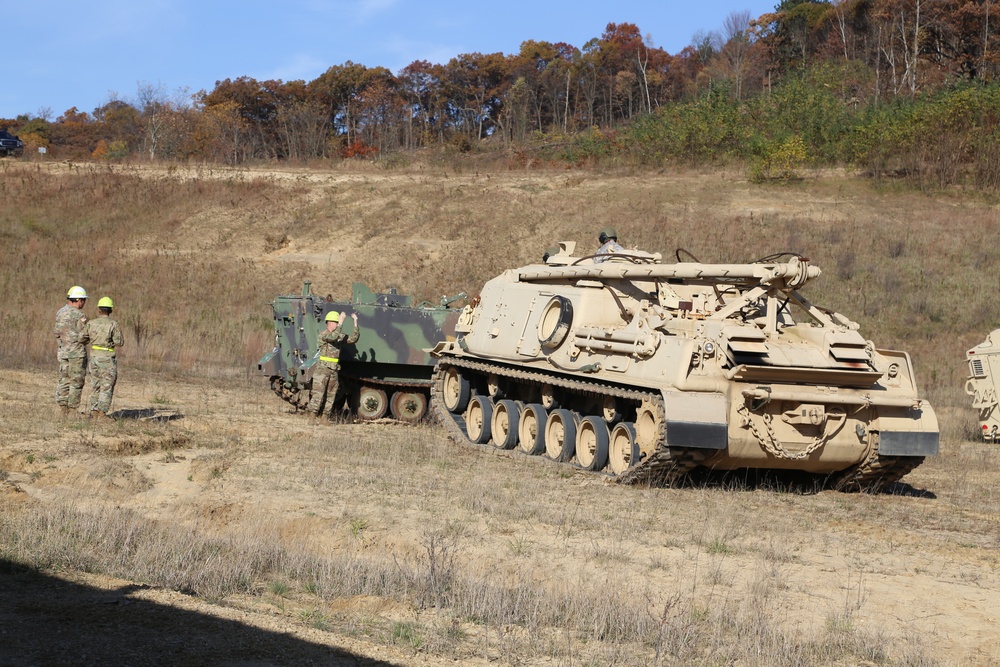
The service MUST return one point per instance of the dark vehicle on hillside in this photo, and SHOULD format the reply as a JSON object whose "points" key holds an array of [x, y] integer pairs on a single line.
{"points": [[10, 145], [389, 369]]}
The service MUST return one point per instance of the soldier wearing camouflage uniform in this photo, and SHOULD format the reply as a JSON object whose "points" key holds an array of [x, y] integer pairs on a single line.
{"points": [[608, 238], [72, 353], [326, 382], [105, 337]]}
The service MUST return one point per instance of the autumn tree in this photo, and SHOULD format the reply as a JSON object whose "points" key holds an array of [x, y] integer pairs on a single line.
{"points": [[475, 87], [339, 90], [73, 134], [734, 57], [421, 88]]}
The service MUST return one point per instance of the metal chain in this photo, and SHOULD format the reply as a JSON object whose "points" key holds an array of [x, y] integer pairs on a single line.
{"points": [[771, 443]]}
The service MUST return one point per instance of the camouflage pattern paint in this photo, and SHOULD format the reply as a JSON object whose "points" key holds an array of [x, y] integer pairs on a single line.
{"points": [[391, 352]]}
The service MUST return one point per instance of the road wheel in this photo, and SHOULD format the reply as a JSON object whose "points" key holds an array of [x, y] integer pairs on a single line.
{"points": [[592, 442], [531, 428], [560, 435], [646, 427], [455, 390], [494, 386], [506, 415], [623, 451], [408, 406], [549, 399], [370, 403], [610, 411], [477, 419]]}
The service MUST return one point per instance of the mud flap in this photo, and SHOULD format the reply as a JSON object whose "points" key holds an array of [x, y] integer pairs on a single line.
{"points": [[910, 433], [696, 420], [269, 364], [908, 443]]}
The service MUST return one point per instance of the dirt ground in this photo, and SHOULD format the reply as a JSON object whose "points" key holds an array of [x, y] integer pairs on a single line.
{"points": [[919, 566], [69, 617], [212, 451]]}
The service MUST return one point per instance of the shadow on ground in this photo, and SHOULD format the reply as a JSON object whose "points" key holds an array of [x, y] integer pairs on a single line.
{"points": [[786, 481], [147, 414], [48, 621]]}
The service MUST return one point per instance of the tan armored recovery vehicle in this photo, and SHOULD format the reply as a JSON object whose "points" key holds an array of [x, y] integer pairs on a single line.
{"points": [[984, 373], [643, 371]]}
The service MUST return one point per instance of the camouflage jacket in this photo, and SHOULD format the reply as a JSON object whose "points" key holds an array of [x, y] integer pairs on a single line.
{"points": [[611, 247], [332, 341], [104, 336], [70, 323]]}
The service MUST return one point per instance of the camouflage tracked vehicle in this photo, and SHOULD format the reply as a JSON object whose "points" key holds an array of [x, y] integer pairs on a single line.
{"points": [[984, 373], [643, 371], [387, 371]]}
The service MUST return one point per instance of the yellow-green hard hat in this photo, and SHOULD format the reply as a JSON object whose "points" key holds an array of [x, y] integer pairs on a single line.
{"points": [[105, 302], [333, 316], [76, 292]]}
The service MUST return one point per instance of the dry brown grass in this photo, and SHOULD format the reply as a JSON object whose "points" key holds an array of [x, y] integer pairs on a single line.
{"points": [[396, 535], [191, 257], [393, 533]]}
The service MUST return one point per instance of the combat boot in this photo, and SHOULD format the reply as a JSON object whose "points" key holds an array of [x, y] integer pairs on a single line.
{"points": [[97, 415], [64, 412]]}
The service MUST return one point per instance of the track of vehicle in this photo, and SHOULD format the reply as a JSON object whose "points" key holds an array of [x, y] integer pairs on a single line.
{"points": [[404, 401], [666, 466], [876, 473]]}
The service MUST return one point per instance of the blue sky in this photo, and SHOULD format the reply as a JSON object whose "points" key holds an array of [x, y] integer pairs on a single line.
{"points": [[84, 53]]}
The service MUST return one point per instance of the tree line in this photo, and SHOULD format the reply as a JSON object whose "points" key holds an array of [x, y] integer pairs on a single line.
{"points": [[885, 53]]}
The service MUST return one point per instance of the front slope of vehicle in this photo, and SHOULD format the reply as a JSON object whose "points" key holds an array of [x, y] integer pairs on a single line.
{"points": [[645, 370]]}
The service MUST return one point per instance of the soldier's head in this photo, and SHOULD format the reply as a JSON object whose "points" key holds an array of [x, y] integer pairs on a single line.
{"points": [[549, 252], [105, 305], [607, 234], [76, 296], [332, 320]]}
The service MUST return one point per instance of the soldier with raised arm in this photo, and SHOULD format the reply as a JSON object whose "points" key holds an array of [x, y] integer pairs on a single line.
{"points": [[326, 381]]}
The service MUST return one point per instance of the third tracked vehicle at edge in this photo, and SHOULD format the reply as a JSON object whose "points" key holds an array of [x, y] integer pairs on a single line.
{"points": [[983, 384], [644, 370]]}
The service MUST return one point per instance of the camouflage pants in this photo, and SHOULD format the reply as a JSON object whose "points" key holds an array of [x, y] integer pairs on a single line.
{"points": [[103, 376], [325, 384], [72, 374]]}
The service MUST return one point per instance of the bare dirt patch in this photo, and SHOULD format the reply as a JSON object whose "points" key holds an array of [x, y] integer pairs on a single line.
{"points": [[903, 575]]}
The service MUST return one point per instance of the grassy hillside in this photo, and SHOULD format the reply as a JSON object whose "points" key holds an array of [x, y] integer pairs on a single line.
{"points": [[193, 256], [422, 551]]}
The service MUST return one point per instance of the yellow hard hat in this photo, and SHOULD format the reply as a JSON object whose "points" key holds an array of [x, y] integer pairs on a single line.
{"points": [[105, 302], [333, 316], [76, 292]]}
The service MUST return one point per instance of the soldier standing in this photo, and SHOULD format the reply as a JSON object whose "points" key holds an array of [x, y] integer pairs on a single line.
{"points": [[105, 337], [608, 239], [72, 354], [325, 380]]}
